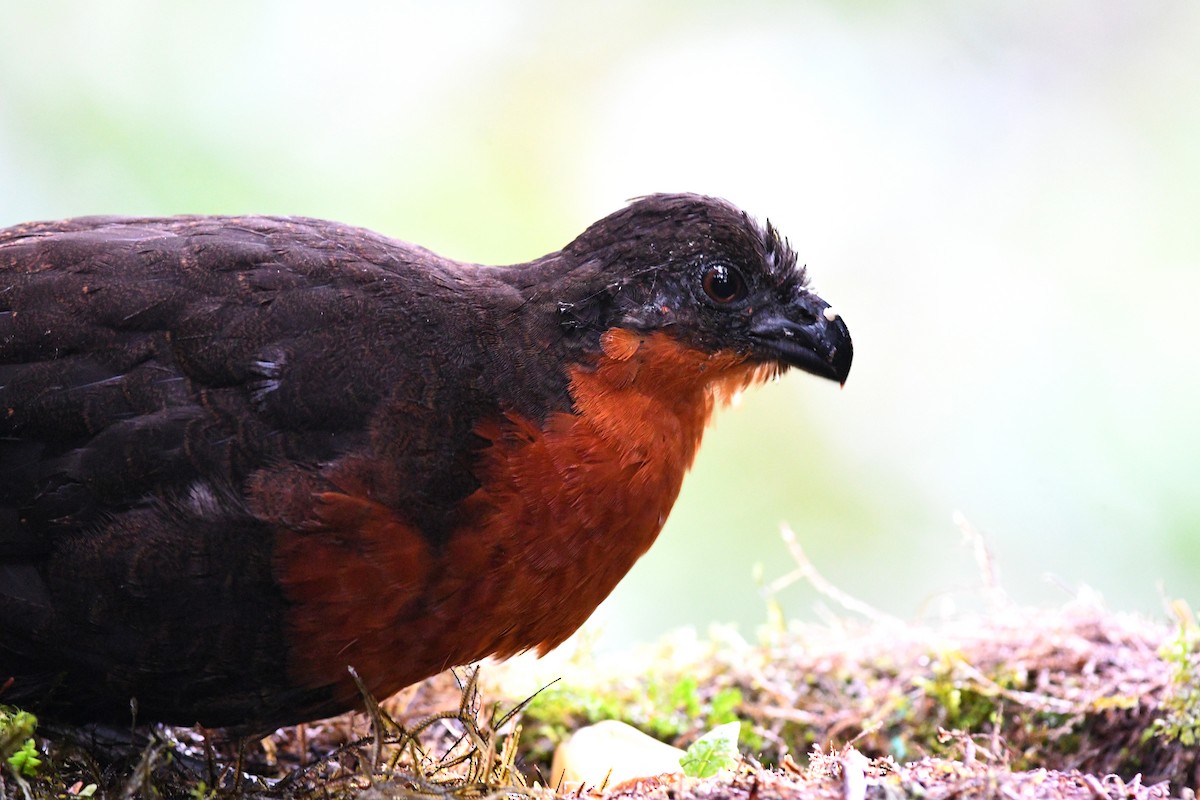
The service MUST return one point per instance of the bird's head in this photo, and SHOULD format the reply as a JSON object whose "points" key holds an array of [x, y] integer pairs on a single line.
{"points": [[704, 272]]}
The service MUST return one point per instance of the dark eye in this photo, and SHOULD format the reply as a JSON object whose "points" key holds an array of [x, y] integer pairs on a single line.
{"points": [[724, 284]]}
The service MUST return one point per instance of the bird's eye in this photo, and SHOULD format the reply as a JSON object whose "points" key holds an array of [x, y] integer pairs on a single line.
{"points": [[724, 284]]}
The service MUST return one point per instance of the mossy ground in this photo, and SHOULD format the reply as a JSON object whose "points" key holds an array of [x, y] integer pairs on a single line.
{"points": [[1075, 702]]}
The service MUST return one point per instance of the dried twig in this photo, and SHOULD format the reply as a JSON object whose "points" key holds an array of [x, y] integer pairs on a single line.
{"points": [[807, 571]]}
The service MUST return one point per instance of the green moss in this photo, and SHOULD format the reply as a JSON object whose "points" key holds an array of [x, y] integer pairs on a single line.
{"points": [[964, 705], [17, 747], [1180, 720]]}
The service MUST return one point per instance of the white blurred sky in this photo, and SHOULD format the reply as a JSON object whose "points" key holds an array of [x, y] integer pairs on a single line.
{"points": [[1001, 198]]}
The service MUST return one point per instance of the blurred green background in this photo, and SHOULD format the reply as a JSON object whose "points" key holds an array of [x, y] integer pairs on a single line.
{"points": [[1003, 199]]}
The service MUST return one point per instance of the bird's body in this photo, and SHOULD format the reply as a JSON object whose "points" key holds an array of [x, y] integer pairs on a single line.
{"points": [[238, 455]]}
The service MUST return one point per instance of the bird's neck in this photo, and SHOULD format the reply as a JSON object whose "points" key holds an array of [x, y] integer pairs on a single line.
{"points": [[568, 507], [649, 397]]}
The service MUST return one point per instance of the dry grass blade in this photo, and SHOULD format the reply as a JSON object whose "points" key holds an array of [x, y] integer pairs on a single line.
{"points": [[807, 571]]}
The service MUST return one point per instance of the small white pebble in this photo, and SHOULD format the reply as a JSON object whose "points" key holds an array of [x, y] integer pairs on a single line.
{"points": [[829, 314], [609, 753]]}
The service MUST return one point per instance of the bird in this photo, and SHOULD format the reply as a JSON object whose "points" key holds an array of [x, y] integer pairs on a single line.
{"points": [[243, 455]]}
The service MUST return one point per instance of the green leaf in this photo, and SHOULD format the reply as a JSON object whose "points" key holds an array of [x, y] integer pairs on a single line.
{"points": [[712, 752]]}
